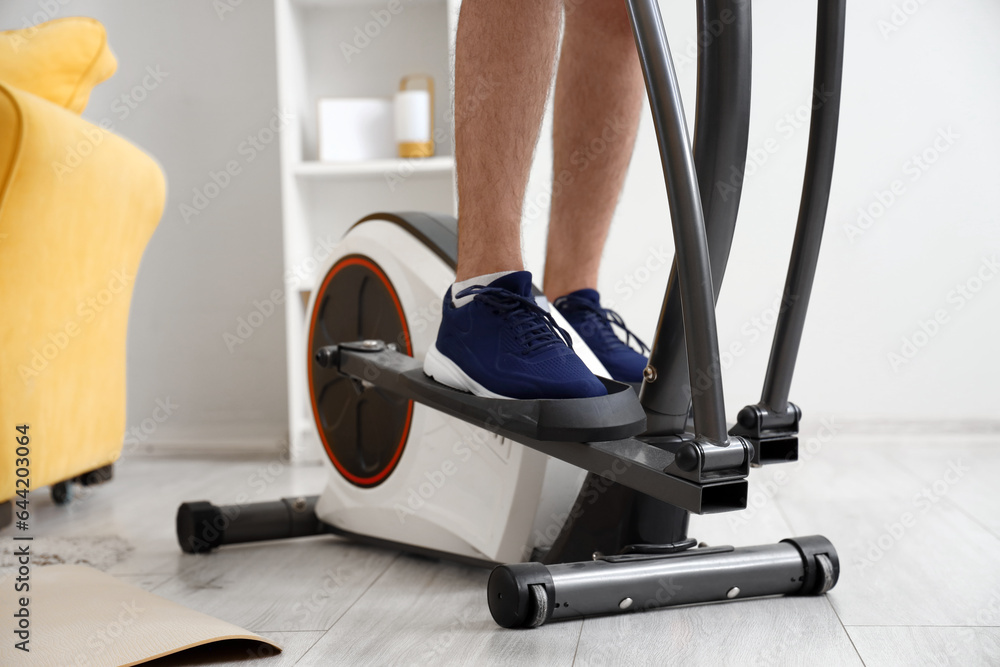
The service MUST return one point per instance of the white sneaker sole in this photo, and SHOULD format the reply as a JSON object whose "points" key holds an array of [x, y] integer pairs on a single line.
{"points": [[447, 372]]}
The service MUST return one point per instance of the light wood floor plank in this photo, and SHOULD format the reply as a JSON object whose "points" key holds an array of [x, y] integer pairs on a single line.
{"points": [[434, 613], [773, 631], [304, 584], [976, 493], [138, 507], [918, 646], [909, 555]]}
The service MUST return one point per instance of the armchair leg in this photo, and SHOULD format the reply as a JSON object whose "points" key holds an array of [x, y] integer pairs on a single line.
{"points": [[98, 476], [61, 493]]}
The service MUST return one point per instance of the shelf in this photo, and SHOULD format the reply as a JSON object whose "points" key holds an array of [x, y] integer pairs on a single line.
{"points": [[360, 3], [442, 164], [321, 200]]}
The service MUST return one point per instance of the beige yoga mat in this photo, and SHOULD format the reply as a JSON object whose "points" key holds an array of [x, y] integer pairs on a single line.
{"points": [[80, 616]]}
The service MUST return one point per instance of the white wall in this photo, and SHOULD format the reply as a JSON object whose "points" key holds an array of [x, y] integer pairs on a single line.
{"points": [[939, 70], [217, 86]]}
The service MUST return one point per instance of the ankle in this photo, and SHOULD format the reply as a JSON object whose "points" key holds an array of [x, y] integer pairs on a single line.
{"points": [[459, 286], [485, 266], [555, 288]]}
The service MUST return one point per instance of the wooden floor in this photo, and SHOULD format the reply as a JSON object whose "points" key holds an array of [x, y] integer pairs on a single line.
{"points": [[916, 523]]}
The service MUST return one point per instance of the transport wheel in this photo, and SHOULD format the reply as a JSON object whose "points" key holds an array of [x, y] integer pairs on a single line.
{"points": [[97, 476], [363, 428], [538, 606], [61, 493], [826, 572]]}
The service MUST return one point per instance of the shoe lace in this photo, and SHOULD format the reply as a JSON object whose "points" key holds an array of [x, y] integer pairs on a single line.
{"points": [[604, 318], [535, 327]]}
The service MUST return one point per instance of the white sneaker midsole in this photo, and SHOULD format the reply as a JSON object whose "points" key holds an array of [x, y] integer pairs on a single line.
{"points": [[448, 373]]}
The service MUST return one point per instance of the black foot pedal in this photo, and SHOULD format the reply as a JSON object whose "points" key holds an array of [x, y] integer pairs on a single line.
{"points": [[613, 417]]}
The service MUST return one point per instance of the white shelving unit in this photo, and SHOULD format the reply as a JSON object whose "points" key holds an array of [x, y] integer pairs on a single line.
{"points": [[439, 164], [349, 48]]}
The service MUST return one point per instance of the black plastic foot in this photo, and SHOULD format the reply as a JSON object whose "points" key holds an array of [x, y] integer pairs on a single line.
{"points": [[199, 527], [100, 475], [202, 526], [61, 493]]}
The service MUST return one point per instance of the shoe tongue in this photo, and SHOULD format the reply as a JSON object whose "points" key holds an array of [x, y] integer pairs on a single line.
{"points": [[518, 282], [587, 294]]}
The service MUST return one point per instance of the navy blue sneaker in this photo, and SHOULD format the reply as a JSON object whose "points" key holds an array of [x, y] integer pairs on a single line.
{"points": [[582, 309], [502, 344]]}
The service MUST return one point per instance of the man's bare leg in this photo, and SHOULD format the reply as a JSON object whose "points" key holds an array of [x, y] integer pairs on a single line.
{"points": [[598, 101], [504, 55]]}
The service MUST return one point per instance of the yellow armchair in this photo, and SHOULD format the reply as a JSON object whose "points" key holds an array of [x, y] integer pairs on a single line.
{"points": [[77, 207]]}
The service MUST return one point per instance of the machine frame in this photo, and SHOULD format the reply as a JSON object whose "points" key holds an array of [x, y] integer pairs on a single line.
{"points": [[649, 467]]}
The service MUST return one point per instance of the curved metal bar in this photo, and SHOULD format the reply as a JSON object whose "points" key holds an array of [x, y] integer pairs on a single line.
{"points": [[827, 75], [721, 135], [692, 258]]}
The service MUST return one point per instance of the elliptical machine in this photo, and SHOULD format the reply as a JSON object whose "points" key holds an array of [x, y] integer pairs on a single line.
{"points": [[587, 498]]}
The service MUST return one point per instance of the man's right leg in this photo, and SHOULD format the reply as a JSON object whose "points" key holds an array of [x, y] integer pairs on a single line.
{"points": [[494, 340], [504, 56]]}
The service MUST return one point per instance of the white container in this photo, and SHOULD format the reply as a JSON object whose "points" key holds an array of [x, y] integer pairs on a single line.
{"points": [[413, 116], [355, 129]]}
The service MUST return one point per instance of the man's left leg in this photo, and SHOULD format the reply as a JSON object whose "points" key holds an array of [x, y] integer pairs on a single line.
{"points": [[598, 101]]}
